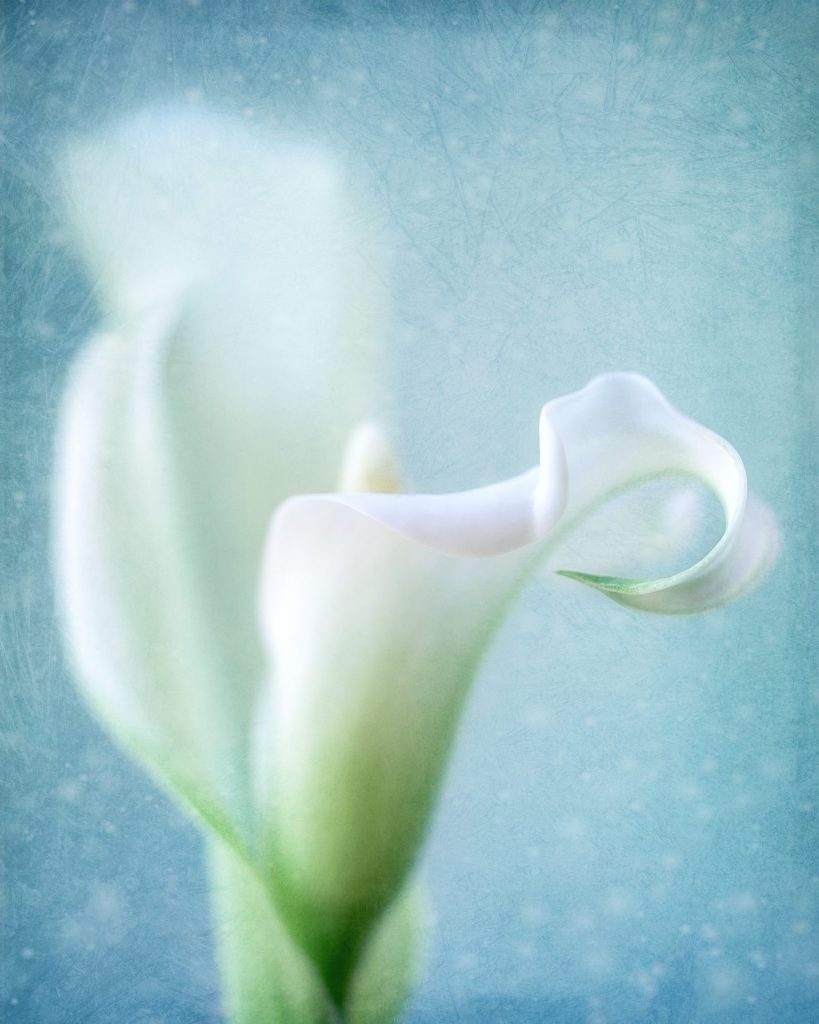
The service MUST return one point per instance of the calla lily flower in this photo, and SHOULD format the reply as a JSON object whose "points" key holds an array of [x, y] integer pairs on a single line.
{"points": [[252, 605]]}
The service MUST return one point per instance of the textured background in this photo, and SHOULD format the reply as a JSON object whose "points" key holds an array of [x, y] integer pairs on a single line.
{"points": [[628, 833]]}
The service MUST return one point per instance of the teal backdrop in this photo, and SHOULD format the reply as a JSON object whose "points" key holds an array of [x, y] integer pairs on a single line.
{"points": [[627, 834]]}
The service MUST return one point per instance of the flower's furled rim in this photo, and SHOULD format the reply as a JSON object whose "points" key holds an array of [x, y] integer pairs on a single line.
{"points": [[616, 432]]}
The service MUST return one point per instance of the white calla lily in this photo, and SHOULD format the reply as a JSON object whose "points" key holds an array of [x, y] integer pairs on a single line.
{"points": [[377, 607], [293, 663]]}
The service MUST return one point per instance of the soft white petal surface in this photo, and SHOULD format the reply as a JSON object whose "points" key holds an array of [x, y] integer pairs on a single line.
{"points": [[242, 322]]}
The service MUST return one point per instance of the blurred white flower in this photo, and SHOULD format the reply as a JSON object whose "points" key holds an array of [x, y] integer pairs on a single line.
{"points": [[290, 660]]}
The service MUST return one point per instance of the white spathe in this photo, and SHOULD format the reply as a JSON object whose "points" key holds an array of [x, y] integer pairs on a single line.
{"points": [[377, 607]]}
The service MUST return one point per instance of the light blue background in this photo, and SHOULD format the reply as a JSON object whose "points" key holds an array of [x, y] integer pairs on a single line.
{"points": [[628, 831]]}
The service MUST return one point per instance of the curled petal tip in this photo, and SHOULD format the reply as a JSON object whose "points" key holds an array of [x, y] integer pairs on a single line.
{"points": [[632, 433]]}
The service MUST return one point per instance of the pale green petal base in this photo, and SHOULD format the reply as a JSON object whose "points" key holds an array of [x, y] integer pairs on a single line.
{"points": [[266, 977], [389, 966]]}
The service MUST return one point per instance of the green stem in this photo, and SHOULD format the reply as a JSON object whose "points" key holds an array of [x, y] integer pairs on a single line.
{"points": [[266, 978]]}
